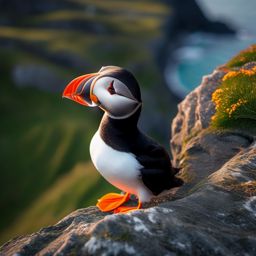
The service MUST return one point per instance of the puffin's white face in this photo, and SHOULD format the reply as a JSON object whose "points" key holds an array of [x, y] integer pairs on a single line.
{"points": [[114, 97], [105, 90]]}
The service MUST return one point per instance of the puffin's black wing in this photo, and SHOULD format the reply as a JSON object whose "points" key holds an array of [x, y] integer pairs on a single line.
{"points": [[157, 173]]}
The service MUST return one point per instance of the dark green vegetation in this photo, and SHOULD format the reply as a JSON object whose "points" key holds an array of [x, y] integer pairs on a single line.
{"points": [[245, 56], [45, 167], [235, 99]]}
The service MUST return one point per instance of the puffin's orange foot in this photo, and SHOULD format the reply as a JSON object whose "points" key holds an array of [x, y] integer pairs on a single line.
{"points": [[111, 201], [125, 209]]}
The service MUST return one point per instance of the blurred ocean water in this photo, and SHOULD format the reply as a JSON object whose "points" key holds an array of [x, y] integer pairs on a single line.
{"points": [[200, 53], [239, 13]]}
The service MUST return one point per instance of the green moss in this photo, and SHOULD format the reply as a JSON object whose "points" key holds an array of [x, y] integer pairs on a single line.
{"points": [[123, 236], [190, 136], [245, 56]]}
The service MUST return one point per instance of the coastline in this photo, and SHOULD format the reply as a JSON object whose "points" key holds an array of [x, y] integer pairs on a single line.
{"points": [[187, 18], [200, 54]]}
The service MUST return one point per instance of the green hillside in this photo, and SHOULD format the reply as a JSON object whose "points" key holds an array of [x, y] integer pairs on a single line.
{"points": [[44, 140]]}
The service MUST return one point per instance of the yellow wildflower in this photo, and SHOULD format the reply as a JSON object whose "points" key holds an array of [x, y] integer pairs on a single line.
{"points": [[213, 117], [235, 106], [249, 72], [229, 75], [216, 97]]}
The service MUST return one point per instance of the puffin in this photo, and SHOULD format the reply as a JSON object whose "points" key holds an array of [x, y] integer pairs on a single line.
{"points": [[126, 157]]}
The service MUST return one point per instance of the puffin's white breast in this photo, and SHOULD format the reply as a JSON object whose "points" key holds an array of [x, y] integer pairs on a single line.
{"points": [[121, 169]]}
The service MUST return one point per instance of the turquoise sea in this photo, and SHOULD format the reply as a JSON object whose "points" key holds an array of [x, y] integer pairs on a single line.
{"points": [[200, 53]]}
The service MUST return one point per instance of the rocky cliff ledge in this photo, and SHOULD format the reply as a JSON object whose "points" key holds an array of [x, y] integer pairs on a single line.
{"points": [[213, 213]]}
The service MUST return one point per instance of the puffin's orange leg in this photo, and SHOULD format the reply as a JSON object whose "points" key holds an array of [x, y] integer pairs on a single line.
{"points": [[125, 209], [111, 201]]}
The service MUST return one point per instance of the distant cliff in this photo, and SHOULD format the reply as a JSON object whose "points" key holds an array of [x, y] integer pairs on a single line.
{"points": [[213, 213], [186, 17]]}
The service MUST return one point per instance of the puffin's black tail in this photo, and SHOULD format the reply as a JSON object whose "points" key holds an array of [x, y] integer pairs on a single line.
{"points": [[158, 180], [176, 182], [173, 182], [176, 170]]}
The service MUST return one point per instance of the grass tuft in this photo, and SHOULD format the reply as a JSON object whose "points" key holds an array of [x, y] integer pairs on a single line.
{"points": [[235, 98], [245, 56]]}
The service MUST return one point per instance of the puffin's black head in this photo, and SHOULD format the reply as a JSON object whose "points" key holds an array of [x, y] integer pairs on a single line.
{"points": [[113, 89]]}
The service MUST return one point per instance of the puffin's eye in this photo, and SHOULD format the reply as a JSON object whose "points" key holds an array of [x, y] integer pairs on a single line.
{"points": [[111, 88]]}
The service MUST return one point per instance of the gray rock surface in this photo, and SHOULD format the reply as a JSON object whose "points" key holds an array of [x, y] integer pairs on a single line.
{"points": [[214, 213]]}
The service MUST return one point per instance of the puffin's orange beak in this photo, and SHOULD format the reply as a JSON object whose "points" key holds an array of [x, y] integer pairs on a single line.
{"points": [[79, 90]]}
